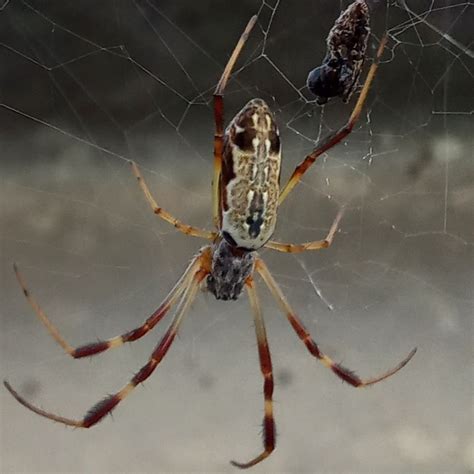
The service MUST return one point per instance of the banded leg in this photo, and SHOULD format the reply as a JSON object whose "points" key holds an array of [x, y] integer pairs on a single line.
{"points": [[219, 119], [343, 373], [334, 138], [266, 368], [160, 212], [105, 406], [314, 245], [101, 346]]}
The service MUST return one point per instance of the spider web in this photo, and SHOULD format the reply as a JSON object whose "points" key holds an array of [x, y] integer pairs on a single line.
{"points": [[87, 86]]}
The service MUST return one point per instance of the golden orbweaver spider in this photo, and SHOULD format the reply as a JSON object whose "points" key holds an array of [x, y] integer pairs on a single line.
{"points": [[246, 197]]}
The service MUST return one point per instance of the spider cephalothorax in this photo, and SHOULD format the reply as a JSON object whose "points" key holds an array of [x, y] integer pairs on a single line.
{"points": [[231, 266], [346, 48], [246, 196]]}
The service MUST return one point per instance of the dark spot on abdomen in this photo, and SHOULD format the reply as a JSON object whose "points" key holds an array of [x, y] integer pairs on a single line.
{"points": [[255, 223], [244, 140], [255, 218], [274, 142]]}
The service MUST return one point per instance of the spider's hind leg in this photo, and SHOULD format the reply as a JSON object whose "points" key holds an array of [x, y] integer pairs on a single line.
{"points": [[336, 137], [219, 119]]}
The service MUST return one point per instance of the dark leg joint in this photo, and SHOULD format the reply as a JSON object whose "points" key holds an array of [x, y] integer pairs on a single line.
{"points": [[90, 349], [346, 375]]}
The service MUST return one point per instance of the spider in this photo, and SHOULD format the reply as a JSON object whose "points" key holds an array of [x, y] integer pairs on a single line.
{"points": [[246, 197]]}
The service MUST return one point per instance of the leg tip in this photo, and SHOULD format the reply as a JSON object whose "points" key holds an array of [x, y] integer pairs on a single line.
{"points": [[7, 385], [412, 353], [253, 462]]}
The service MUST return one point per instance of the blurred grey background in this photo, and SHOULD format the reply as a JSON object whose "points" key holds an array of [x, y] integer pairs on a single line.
{"points": [[84, 86]]}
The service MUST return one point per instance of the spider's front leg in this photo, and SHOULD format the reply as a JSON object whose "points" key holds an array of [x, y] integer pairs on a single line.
{"points": [[105, 406], [342, 372], [267, 372], [97, 347]]}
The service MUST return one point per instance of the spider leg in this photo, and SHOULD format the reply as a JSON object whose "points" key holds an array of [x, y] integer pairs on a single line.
{"points": [[219, 119], [106, 405], [160, 212], [343, 373], [334, 138], [266, 368], [314, 245], [103, 345]]}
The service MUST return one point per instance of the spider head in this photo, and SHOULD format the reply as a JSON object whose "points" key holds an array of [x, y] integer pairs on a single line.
{"points": [[231, 266]]}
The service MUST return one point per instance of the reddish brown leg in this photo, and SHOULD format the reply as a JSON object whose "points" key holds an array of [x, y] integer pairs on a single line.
{"points": [[345, 374], [339, 135], [101, 346], [266, 368], [105, 406], [219, 119]]}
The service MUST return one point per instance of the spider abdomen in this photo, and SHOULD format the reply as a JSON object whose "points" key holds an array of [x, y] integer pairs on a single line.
{"points": [[250, 176]]}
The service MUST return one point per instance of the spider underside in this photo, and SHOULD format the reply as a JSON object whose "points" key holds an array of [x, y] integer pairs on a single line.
{"points": [[246, 196]]}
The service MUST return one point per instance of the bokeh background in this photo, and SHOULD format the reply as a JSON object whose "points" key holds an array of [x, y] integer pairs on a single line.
{"points": [[85, 86]]}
